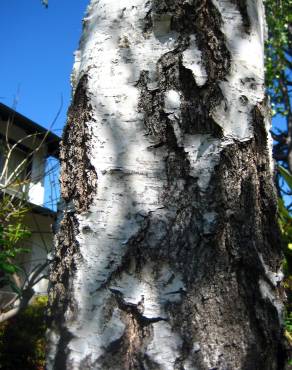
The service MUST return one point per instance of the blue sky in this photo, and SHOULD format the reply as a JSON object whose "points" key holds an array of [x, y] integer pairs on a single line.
{"points": [[37, 56], [37, 46]]}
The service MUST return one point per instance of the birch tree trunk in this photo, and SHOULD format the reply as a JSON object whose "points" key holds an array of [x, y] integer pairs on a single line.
{"points": [[168, 251]]}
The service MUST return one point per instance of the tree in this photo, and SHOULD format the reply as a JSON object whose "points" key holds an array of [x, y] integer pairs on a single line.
{"points": [[168, 253], [278, 79]]}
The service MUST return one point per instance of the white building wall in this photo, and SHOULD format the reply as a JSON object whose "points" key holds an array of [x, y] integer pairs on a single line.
{"points": [[36, 193], [40, 243]]}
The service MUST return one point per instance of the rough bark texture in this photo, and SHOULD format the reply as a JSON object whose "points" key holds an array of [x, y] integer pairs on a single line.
{"points": [[79, 179], [168, 253]]}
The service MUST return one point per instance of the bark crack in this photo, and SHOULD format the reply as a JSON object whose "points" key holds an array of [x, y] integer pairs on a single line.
{"points": [[78, 176], [242, 7], [136, 310]]}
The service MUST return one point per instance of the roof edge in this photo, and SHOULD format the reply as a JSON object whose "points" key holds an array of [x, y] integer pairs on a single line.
{"points": [[52, 140]]}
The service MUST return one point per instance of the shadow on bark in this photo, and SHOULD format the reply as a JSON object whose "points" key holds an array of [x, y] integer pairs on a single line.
{"points": [[219, 239]]}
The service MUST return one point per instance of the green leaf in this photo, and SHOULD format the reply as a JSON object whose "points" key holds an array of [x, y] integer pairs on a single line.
{"points": [[8, 268], [283, 212], [286, 175]]}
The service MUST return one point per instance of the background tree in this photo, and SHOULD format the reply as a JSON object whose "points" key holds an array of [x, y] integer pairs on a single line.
{"points": [[278, 79], [168, 251]]}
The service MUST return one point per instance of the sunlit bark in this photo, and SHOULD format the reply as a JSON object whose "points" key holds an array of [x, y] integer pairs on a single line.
{"points": [[168, 252]]}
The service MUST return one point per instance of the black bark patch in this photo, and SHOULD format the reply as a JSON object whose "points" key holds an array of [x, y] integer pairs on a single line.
{"points": [[64, 264], [204, 20], [197, 103], [78, 176], [242, 7], [258, 114], [177, 165], [151, 104], [148, 23], [62, 271], [135, 310], [128, 352], [62, 350]]}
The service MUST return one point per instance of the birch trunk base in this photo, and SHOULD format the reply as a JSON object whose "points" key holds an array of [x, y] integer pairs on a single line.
{"points": [[168, 252]]}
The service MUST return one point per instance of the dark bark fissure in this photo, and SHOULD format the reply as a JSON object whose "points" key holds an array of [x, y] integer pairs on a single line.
{"points": [[136, 310], [242, 7], [197, 102], [78, 184], [78, 176], [62, 271], [128, 352], [61, 359], [204, 20]]}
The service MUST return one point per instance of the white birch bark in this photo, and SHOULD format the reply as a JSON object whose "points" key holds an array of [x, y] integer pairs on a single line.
{"points": [[164, 257]]}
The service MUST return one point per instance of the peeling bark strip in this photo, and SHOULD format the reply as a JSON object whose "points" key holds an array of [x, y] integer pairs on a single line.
{"points": [[172, 263]]}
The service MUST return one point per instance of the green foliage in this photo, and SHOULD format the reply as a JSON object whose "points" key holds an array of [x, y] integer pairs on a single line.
{"points": [[22, 338], [288, 322], [278, 80], [286, 175], [278, 46], [285, 222], [12, 232]]}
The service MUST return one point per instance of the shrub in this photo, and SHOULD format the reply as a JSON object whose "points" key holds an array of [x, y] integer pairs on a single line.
{"points": [[22, 338]]}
